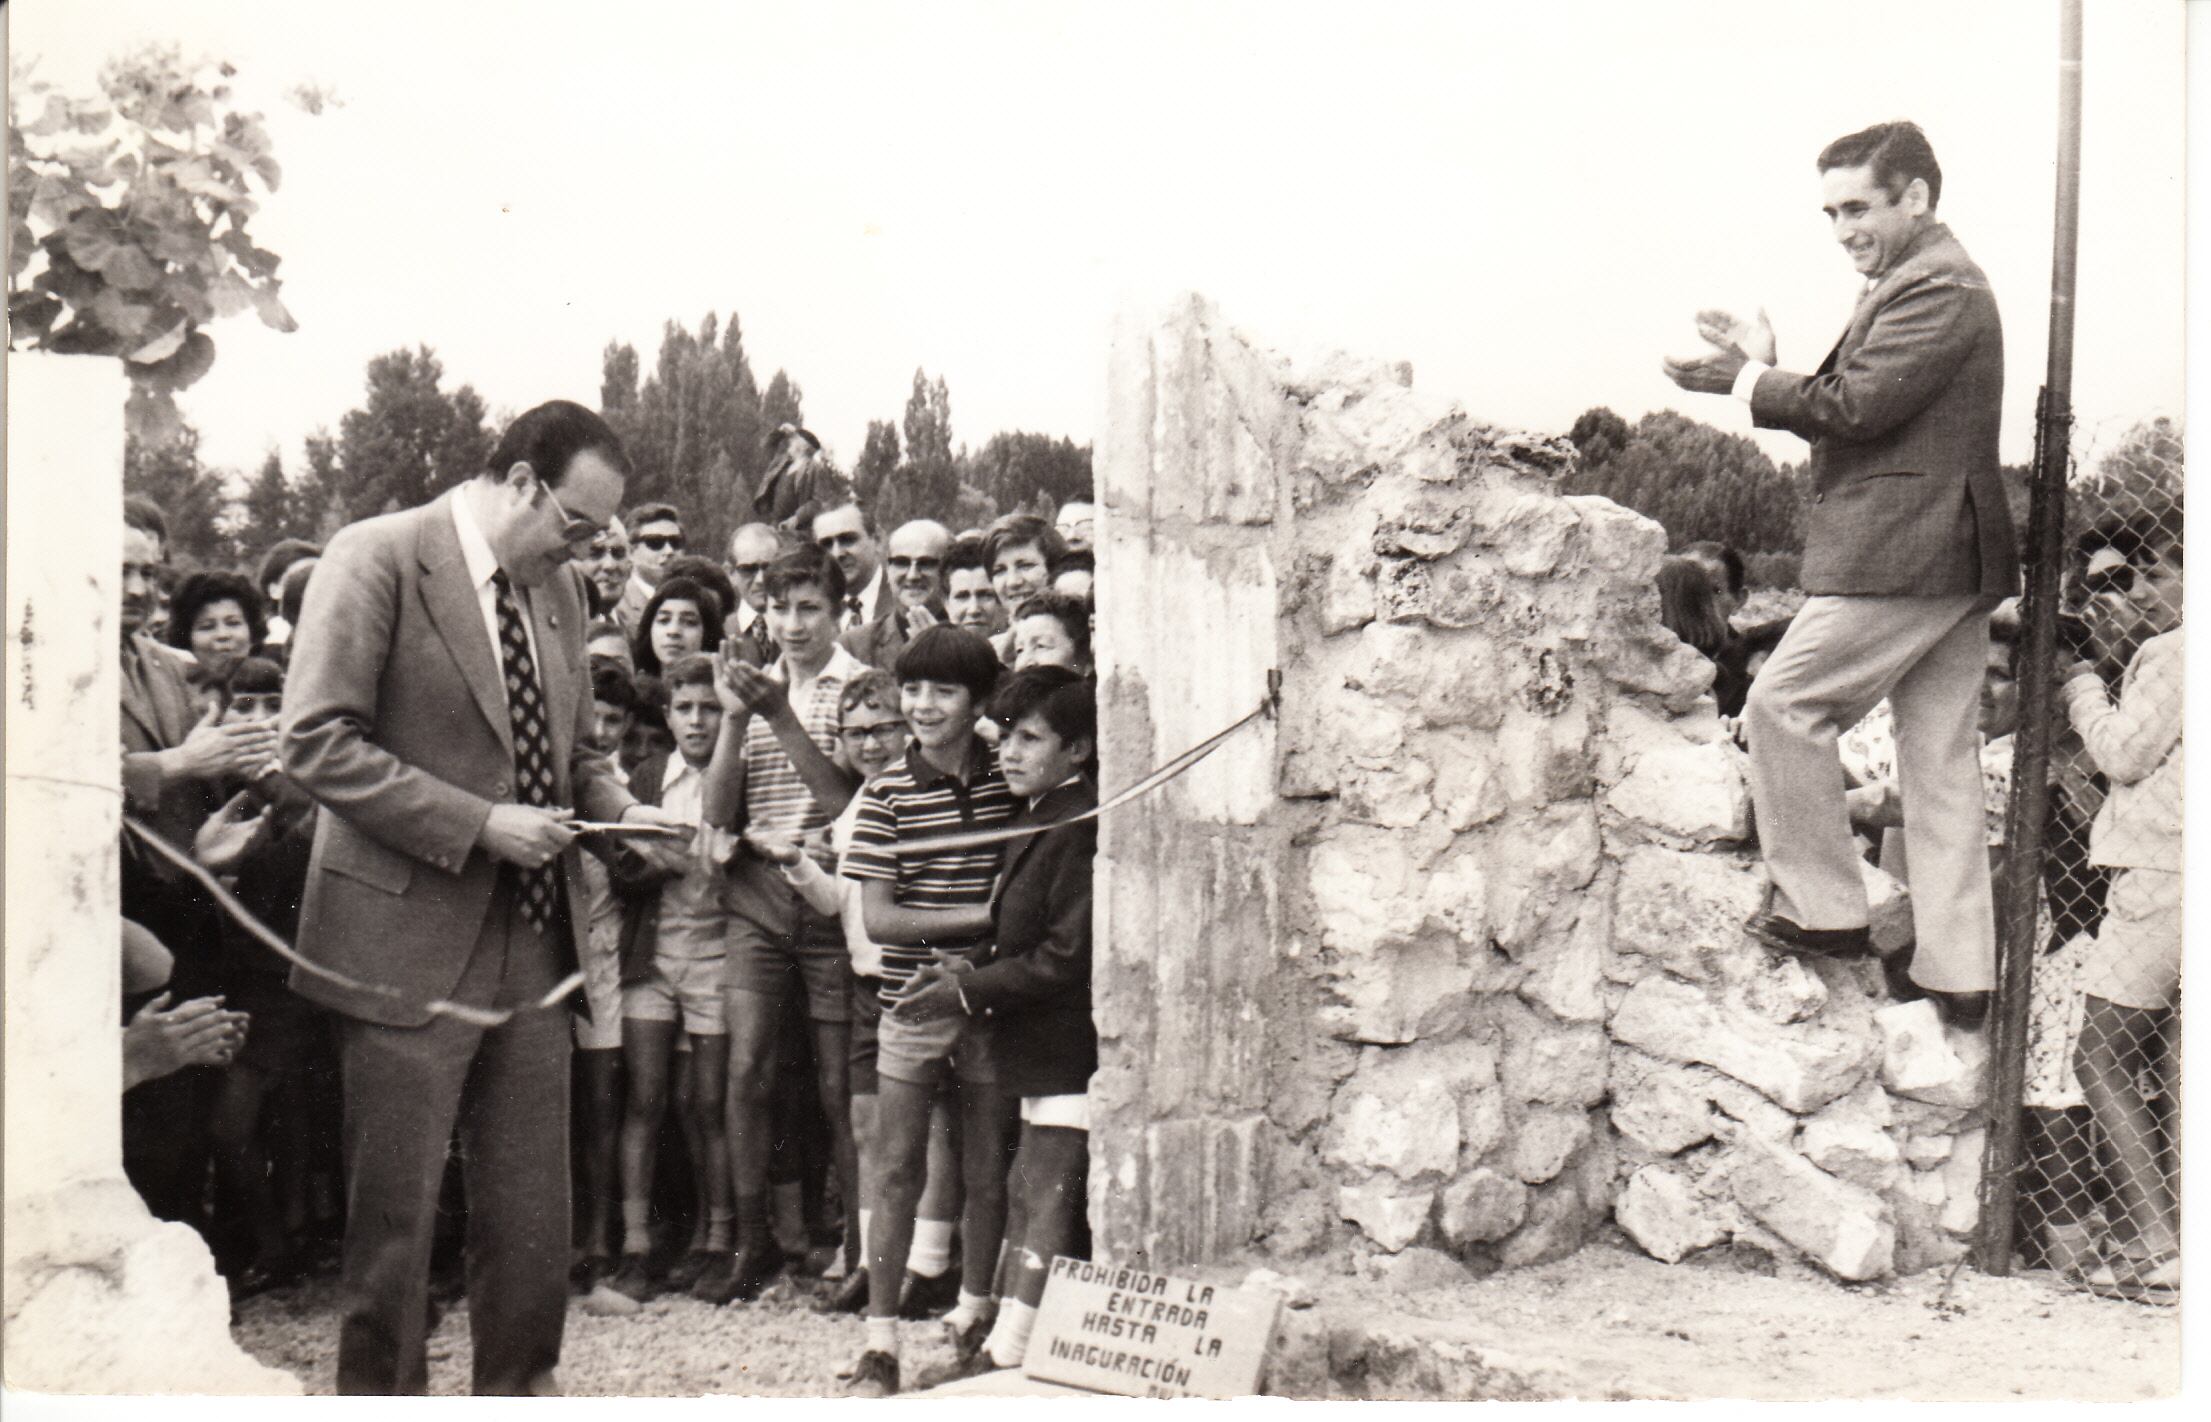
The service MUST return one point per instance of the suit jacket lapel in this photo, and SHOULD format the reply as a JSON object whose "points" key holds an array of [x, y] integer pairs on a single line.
{"points": [[459, 618]]}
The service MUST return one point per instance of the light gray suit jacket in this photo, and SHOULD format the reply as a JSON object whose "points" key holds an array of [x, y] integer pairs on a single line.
{"points": [[1907, 494], [395, 720]]}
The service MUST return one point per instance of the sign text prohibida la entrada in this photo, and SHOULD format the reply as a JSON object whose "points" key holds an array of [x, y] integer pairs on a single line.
{"points": [[1149, 1335]]}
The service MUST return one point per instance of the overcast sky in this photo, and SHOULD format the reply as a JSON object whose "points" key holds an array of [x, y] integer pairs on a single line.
{"points": [[1527, 201]]}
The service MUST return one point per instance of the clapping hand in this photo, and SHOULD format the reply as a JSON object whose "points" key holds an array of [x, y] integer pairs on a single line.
{"points": [[211, 751], [228, 833], [161, 1039], [1752, 339]]}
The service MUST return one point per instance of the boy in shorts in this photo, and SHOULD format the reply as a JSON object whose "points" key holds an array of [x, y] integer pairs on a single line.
{"points": [[1034, 991], [923, 908], [2130, 976], [671, 965], [773, 779]]}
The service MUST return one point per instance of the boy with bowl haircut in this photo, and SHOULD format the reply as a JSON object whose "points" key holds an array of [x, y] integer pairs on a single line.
{"points": [[923, 908], [671, 967], [1034, 990]]}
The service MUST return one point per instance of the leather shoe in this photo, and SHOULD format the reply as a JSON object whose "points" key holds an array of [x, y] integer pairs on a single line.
{"points": [[927, 1297], [1779, 933], [1967, 1011], [851, 1296]]}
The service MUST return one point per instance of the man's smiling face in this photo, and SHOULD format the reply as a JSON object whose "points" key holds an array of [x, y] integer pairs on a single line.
{"points": [[1873, 228]]}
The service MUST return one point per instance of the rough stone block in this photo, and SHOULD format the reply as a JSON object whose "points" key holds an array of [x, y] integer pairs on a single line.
{"points": [[1469, 788], [1684, 911], [1544, 1141], [1546, 1061], [1565, 971], [1529, 528], [1559, 1222], [1843, 1228], [1390, 1216], [1534, 863], [1922, 1152], [1618, 540], [1961, 1182], [1922, 1060], [1482, 1206], [1394, 797], [1890, 906], [1665, 1215], [1408, 1133], [1362, 889], [1420, 1268], [1802, 1066], [1456, 899], [1850, 1139], [1694, 792], [1427, 528]]}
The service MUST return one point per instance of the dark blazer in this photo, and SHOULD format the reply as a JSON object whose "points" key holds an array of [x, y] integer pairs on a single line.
{"points": [[878, 643], [157, 715], [1907, 498], [1036, 986], [395, 720]]}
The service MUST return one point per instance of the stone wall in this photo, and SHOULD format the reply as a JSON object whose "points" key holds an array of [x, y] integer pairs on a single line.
{"points": [[1447, 955]]}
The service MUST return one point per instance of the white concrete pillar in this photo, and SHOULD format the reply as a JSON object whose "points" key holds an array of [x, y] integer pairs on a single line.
{"points": [[100, 1297]]}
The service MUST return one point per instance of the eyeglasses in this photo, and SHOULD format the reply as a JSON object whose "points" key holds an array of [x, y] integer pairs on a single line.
{"points": [[574, 531], [884, 731], [747, 571], [916, 565], [660, 542]]}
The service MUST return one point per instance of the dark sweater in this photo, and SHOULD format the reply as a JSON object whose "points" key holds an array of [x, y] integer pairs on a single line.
{"points": [[1035, 988]]}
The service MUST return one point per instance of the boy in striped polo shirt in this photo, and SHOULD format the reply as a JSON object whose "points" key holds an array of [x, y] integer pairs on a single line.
{"points": [[773, 779], [932, 908]]}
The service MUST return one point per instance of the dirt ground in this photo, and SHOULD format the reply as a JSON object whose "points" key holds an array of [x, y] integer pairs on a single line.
{"points": [[1607, 1322]]}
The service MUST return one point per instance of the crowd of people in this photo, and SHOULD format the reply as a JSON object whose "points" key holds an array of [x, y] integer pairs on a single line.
{"points": [[2099, 1189], [874, 1060]]}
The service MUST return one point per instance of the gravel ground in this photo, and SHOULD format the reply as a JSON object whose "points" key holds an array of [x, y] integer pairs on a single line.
{"points": [[1606, 1322]]}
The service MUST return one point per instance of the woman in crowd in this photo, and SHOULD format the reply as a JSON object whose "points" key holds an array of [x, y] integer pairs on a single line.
{"points": [[218, 618], [682, 617], [1052, 629]]}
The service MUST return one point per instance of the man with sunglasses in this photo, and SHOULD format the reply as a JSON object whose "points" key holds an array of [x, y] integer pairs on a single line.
{"points": [[656, 535], [439, 708], [847, 535], [914, 572]]}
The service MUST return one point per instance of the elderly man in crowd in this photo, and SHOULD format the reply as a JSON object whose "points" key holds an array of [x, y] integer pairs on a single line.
{"points": [[751, 549], [914, 569]]}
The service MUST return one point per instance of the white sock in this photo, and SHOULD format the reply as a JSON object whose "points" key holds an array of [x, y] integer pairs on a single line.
{"points": [[865, 1216], [969, 1311], [932, 1251], [883, 1335], [637, 1235], [1009, 1336]]}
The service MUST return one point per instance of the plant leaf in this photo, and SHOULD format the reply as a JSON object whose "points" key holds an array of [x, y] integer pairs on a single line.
{"points": [[273, 313], [163, 346]]}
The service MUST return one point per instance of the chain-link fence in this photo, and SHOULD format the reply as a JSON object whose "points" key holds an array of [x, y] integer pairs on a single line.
{"points": [[2087, 1023]]}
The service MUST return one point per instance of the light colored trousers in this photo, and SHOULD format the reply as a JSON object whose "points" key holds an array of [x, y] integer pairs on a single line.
{"points": [[1841, 655]]}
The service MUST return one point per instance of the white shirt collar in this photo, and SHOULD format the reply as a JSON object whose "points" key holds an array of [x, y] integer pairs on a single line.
{"points": [[842, 666], [475, 548]]}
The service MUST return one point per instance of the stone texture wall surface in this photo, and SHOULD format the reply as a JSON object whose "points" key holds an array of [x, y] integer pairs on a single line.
{"points": [[1445, 959]]}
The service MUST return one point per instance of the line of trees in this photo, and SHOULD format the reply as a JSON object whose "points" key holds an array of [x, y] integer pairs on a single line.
{"points": [[695, 427]]}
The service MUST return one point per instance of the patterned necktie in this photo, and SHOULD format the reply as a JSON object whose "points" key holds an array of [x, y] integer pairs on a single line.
{"points": [[852, 606], [533, 748]]}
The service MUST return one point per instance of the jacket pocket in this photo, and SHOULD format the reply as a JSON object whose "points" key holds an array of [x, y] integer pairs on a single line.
{"points": [[356, 857]]}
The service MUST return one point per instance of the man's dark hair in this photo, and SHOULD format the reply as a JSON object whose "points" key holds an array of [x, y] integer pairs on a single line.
{"points": [[1725, 555], [293, 594], [643, 514], [704, 571], [1070, 613], [1897, 152], [951, 654], [202, 590], [697, 669], [282, 555], [609, 683], [1065, 699], [967, 551], [806, 564], [549, 437], [867, 520], [1077, 560], [1024, 530], [145, 515], [670, 590], [2138, 537]]}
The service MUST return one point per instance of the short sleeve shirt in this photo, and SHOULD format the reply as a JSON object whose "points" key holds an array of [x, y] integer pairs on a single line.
{"points": [[914, 800], [776, 799]]}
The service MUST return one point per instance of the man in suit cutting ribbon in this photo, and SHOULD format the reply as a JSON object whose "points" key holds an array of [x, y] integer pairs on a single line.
{"points": [[439, 707]]}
